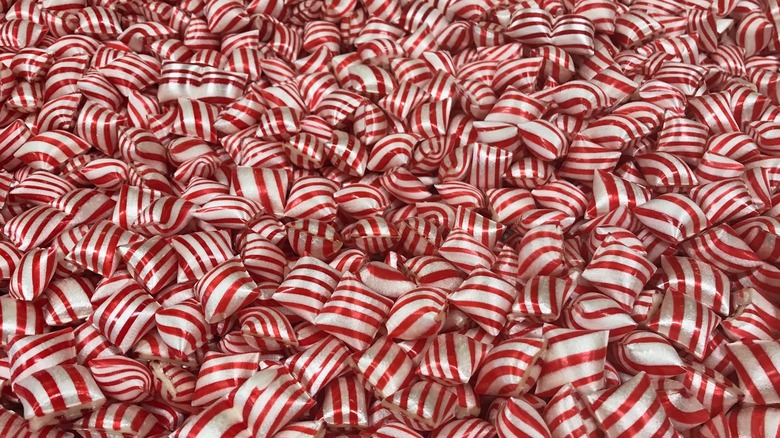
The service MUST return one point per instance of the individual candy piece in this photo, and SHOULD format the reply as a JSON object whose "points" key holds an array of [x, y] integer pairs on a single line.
{"points": [[200, 252], [466, 252], [312, 198], [433, 272], [543, 298], [573, 356], [594, 311], [647, 352], [417, 314], [97, 250], [33, 274], [183, 326], [384, 366], [345, 403], [84, 206], [267, 323], [353, 313], [682, 409], [272, 387], [121, 378], [172, 383], [41, 187], [724, 249], [266, 186], [619, 272], [9, 259], [518, 418], [755, 363], [541, 252], [672, 217], [486, 298], [315, 238], [120, 418], [68, 300], [91, 344], [307, 287], [362, 200], [685, 322], [428, 404], [567, 415], [74, 390], [511, 368], [220, 419], [35, 227], [452, 359], [318, 364], [225, 289], [220, 373], [228, 211], [385, 279], [372, 235], [153, 262], [637, 395], [697, 279], [126, 317], [467, 428], [30, 354]]}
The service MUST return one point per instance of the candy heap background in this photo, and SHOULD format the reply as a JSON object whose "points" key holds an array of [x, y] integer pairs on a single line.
{"points": [[388, 218]]}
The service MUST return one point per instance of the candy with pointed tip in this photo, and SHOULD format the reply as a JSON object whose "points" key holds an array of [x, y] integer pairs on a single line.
{"points": [[121, 378]]}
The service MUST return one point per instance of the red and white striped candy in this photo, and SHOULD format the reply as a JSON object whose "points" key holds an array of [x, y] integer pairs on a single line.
{"points": [[228, 211], [724, 249], [429, 404], [267, 323], [452, 359], [594, 311], [362, 200], [315, 238], [126, 317], [697, 279], [672, 217], [353, 313], [200, 252], [619, 272], [683, 410], [685, 322], [345, 403], [541, 252], [312, 198], [307, 287], [58, 391], [225, 289], [91, 344], [642, 351], [97, 250], [68, 300], [266, 186], [36, 227], [384, 366], [511, 368], [584, 158], [221, 373], [755, 363], [50, 149], [573, 356], [41, 187], [567, 414], [172, 383], [518, 418], [30, 354], [630, 409], [121, 378], [153, 263], [33, 273], [183, 326], [486, 298], [542, 298], [120, 418], [417, 314], [319, 364]]}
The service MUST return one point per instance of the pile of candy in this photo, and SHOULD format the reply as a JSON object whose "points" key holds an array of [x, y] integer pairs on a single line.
{"points": [[390, 218]]}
